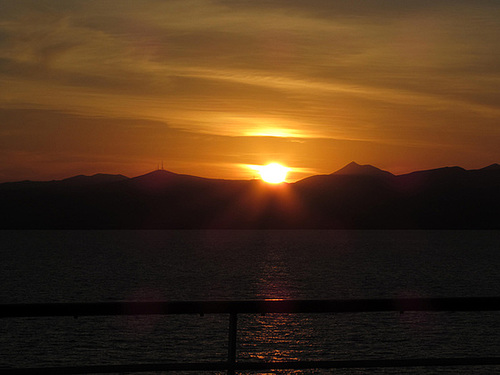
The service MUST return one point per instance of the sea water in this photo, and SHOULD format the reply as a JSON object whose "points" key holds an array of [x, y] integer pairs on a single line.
{"points": [[101, 266]]}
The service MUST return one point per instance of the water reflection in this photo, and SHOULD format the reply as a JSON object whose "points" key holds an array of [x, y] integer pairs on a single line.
{"points": [[275, 337], [275, 280], [389, 335], [278, 337]]}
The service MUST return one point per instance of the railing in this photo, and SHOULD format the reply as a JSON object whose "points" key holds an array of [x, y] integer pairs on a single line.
{"points": [[233, 308]]}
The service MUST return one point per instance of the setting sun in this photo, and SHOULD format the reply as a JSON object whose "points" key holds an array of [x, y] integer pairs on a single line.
{"points": [[273, 173]]}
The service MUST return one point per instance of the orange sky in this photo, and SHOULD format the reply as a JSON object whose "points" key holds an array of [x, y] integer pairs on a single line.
{"points": [[210, 87]]}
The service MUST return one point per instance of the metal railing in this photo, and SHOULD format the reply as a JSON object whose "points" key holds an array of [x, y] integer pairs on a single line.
{"points": [[233, 308]]}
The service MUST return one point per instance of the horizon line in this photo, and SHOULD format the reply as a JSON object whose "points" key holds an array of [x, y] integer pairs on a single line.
{"points": [[162, 169]]}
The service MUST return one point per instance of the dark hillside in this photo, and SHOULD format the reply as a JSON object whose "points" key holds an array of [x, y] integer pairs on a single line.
{"points": [[351, 198]]}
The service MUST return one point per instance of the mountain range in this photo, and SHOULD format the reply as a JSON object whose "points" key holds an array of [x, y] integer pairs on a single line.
{"points": [[354, 197]]}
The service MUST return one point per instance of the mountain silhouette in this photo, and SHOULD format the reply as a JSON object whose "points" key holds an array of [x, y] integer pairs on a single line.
{"points": [[492, 167], [100, 178], [354, 197], [368, 170]]}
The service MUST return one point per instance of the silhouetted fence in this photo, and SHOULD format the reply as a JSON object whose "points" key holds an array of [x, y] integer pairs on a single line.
{"points": [[233, 308]]}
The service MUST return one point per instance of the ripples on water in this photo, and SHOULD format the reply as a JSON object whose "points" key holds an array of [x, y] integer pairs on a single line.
{"points": [[221, 265]]}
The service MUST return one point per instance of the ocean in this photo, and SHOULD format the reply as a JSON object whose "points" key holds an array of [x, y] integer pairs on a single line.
{"points": [[101, 266]]}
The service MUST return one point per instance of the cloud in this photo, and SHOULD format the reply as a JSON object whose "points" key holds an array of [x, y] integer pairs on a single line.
{"points": [[140, 48]]}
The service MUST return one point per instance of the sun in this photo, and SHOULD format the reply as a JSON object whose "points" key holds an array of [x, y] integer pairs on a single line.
{"points": [[273, 173]]}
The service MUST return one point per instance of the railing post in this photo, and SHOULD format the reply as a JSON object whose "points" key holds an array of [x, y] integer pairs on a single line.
{"points": [[231, 350]]}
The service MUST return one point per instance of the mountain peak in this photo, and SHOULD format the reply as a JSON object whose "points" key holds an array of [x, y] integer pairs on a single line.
{"points": [[492, 167], [354, 168], [157, 176], [161, 178], [99, 178], [159, 173]]}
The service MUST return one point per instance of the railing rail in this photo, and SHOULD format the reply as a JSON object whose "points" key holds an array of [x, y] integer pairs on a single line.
{"points": [[233, 308]]}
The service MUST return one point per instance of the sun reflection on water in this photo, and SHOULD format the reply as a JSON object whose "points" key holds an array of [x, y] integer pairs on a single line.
{"points": [[274, 337]]}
